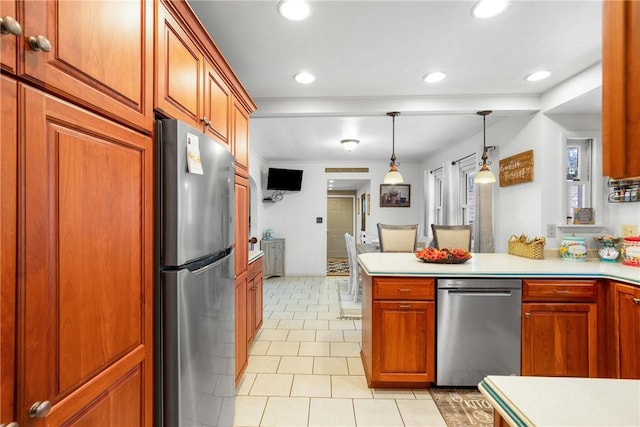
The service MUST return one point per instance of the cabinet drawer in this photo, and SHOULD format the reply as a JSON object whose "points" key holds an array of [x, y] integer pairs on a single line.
{"points": [[403, 288], [254, 268], [556, 290]]}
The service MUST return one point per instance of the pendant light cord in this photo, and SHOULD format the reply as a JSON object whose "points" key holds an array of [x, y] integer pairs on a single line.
{"points": [[393, 137]]}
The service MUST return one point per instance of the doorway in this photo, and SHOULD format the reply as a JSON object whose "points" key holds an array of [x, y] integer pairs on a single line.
{"points": [[340, 220]]}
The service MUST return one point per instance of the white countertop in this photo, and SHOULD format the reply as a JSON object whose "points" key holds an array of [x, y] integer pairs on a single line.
{"points": [[495, 265], [254, 255], [555, 401]]}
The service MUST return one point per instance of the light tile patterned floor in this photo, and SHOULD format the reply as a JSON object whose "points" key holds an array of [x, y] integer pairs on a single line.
{"points": [[305, 370]]}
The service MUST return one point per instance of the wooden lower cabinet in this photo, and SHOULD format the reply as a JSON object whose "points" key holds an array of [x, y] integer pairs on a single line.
{"points": [[398, 331], [254, 300], [84, 318], [560, 327], [241, 326], [626, 315], [560, 339]]}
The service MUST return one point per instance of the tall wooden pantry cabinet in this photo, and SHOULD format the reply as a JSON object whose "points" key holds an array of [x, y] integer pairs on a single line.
{"points": [[77, 206]]}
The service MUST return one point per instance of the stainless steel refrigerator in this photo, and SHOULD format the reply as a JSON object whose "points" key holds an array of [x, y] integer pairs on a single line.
{"points": [[195, 323]]}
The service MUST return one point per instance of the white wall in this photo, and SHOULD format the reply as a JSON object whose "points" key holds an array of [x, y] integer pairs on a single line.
{"points": [[294, 218]]}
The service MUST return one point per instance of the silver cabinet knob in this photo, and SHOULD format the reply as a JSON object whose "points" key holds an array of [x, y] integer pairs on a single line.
{"points": [[8, 25], [40, 409], [12, 424], [40, 43]]}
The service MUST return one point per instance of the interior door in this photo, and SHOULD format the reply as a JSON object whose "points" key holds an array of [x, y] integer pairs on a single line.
{"points": [[339, 222]]}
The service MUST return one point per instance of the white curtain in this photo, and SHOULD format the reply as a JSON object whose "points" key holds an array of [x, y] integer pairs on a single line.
{"points": [[484, 218]]}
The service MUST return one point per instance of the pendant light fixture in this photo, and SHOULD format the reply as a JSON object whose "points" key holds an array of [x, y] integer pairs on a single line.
{"points": [[484, 175], [393, 176]]}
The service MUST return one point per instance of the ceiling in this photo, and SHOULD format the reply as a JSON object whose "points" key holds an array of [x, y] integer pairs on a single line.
{"points": [[369, 58]]}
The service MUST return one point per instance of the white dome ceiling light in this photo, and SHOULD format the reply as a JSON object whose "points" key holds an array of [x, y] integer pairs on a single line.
{"points": [[349, 144], [434, 77], [304, 78], [537, 76], [294, 10], [488, 8]]}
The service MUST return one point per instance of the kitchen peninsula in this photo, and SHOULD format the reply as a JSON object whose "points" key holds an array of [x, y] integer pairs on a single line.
{"points": [[578, 319]]}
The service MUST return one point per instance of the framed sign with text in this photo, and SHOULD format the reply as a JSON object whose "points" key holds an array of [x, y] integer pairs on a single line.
{"points": [[516, 169]]}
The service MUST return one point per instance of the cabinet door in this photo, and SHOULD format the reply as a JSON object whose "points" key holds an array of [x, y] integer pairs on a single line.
{"points": [[241, 139], [217, 102], [242, 224], [560, 340], [179, 69], [8, 230], [257, 306], [85, 286], [403, 341], [241, 325], [251, 310], [101, 55], [620, 84], [627, 331], [8, 42]]}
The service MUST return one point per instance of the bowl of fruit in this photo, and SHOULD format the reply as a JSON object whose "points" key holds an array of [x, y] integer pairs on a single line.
{"points": [[443, 256]]}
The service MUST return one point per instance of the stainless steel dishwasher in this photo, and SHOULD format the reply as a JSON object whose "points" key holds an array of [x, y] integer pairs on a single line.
{"points": [[478, 330]]}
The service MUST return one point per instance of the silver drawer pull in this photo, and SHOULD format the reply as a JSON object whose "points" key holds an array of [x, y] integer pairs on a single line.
{"points": [[561, 291], [405, 290], [404, 306]]}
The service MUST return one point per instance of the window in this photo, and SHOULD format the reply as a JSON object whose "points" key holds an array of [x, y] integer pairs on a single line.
{"points": [[438, 195], [578, 174], [467, 192]]}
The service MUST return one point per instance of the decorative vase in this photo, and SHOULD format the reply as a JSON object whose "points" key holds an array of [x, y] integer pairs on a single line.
{"points": [[573, 249], [631, 251]]}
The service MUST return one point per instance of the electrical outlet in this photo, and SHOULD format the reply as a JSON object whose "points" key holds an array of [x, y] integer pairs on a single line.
{"points": [[551, 230], [629, 230]]}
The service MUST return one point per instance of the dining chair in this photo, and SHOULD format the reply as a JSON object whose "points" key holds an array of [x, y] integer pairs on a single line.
{"points": [[452, 236], [398, 238], [354, 277]]}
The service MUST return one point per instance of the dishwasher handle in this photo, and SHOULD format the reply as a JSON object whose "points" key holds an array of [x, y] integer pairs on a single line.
{"points": [[480, 292]]}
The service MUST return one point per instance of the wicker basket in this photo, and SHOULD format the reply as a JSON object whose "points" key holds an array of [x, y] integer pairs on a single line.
{"points": [[533, 249]]}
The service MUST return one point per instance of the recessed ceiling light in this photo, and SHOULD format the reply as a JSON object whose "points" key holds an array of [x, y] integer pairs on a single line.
{"points": [[488, 8], [538, 75], [294, 10], [434, 77], [304, 78]]}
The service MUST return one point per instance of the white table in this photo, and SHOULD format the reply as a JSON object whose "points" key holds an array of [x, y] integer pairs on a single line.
{"points": [[556, 401]]}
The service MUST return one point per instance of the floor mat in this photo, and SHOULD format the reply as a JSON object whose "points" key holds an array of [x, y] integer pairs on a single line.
{"points": [[337, 267], [462, 407]]}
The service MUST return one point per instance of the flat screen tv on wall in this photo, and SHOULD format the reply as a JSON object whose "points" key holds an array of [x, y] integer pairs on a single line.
{"points": [[284, 179]]}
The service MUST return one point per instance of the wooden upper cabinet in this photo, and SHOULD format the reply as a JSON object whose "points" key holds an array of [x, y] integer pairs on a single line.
{"points": [[85, 286], [101, 55], [9, 41], [217, 104], [241, 139], [620, 86], [180, 65], [190, 87]]}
